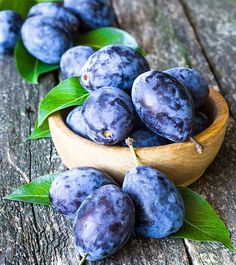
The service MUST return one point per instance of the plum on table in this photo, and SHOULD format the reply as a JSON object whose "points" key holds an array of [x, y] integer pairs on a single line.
{"points": [[92, 13], [104, 223], [10, 25], [57, 11], [158, 204], [72, 187], [46, 38]]}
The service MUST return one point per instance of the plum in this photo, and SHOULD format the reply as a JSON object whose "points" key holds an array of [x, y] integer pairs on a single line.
{"points": [[74, 59], [10, 25], [104, 223], [144, 138], [201, 122], [108, 115], [164, 105], [158, 204], [192, 80], [58, 12], [75, 121], [72, 187], [92, 13], [113, 65], [46, 38]]}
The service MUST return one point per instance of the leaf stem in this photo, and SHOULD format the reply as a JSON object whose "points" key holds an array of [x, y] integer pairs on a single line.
{"points": [[83, 260], [129, 141], [198, 146]]}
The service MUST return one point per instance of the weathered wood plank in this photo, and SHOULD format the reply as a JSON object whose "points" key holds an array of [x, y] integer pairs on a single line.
{"points": [[214, 22], [29, 234], [165, 32]]}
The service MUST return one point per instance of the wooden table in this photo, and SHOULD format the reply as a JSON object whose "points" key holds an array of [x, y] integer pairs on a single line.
{"points": [[195, 33]]}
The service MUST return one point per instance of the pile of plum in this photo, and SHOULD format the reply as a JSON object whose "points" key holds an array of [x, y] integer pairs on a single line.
{"points": [[106, 216], [52, 28], [129, 99]]}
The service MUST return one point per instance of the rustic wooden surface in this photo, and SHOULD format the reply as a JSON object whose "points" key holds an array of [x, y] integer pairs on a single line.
{"points": [[174, 33]]}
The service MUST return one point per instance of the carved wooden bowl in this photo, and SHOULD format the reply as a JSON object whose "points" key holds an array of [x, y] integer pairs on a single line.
{"points": [[179, 161]]}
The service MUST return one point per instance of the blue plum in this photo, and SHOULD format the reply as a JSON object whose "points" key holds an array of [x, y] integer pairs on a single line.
{"points": [[201, 122], [104, 223], [72, 187], [144, 138], [158, 204], [10, 25], [108, 115], [92, 13], [113, 65], [46, 38], [75, 121], [164, 105], [58, 12], [74, 59], [192, 80]]}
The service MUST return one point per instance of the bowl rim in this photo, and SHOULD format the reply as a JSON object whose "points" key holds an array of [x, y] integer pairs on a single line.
{"points": [[219, 122]]}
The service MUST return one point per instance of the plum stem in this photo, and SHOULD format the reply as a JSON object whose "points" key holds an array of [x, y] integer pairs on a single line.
{"points": [[129, 141], [198, 146], [83, 260]]}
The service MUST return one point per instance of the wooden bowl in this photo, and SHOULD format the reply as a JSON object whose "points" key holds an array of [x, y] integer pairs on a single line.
{"points": [[179, 161]]}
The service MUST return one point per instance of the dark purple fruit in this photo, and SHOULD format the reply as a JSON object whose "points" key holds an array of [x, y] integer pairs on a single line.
{"points": [[10, 25], [146, 138], [72, 187], [104, 223], [109, 115], [92, 13], [164, 105], [192, 80], [201, 122], [113, 65], [75, 121], [158, 204], [46, 38]]}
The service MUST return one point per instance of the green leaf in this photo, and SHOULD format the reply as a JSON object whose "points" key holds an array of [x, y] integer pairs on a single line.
{"points": [[201, 221], [20, 6], [68, 93], [36, 191], [101, 37], [42, 131], [29, 67]]}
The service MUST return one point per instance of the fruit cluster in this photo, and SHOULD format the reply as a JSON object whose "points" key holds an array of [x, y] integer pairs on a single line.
{"points": [[52, 28], [10, 25], [129, 99], [105, 216]]}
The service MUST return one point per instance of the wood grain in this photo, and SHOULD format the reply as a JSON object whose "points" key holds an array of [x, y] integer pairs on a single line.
{"points": [[214, 23], [35, 235]]}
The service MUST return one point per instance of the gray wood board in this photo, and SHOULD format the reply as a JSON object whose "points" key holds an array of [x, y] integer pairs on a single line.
{"points": [[166, 33], [214, 23], [36, 235]]}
